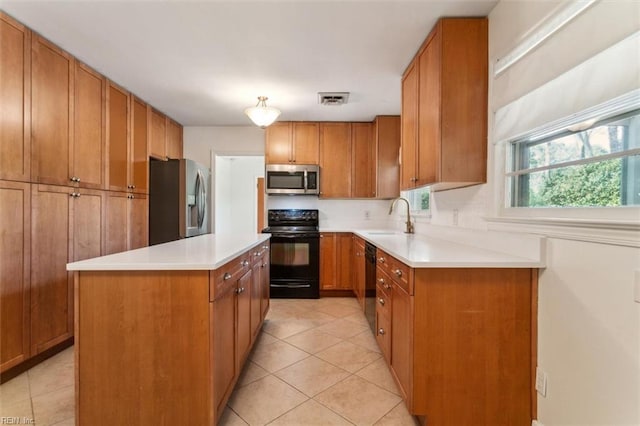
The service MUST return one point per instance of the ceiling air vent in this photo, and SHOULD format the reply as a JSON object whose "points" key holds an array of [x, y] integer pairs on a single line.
{"points": [[333, 98]]}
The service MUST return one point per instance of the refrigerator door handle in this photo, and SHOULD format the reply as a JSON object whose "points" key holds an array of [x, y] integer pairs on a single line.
{"points": [[201, 195]]}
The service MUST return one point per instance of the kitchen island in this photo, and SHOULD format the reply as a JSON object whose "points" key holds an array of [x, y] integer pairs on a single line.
{"points": [[162, 332]]}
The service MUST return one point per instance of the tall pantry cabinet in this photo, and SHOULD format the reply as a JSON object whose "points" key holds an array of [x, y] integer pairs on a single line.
{"points": [[74, 159]]}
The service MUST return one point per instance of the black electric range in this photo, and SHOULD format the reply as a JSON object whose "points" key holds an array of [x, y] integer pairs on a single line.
{"points": [[295, 253]]}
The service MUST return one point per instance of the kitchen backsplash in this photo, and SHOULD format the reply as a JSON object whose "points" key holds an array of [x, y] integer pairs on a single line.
{"points": [[339, 214]]}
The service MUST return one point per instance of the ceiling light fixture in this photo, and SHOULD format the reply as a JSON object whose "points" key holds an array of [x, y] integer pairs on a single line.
{"points": [[262, 115]]}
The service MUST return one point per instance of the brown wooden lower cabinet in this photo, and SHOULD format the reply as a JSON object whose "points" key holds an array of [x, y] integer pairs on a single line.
{"points": [[460, 342], [66, 226], [15, 247], [165, 347], [335, 261]]}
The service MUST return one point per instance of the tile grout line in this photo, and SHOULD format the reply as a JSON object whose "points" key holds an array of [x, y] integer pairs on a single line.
{"points": [[314, 355]]}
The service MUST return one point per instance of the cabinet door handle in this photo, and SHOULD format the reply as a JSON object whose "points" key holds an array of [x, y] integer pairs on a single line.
{"points": [[381, 331], [381, 281], [398, 272], [227, 276], [381, 259], [264, 265], [245, 263], [266, 247], [381, 300]]}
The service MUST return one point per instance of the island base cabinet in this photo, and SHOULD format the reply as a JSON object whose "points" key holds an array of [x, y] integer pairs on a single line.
{"points": [[471, 336], [223, 347], [142, 345]]}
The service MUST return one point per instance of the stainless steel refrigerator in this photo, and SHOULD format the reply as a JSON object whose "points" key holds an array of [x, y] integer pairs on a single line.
{"points": [[178, 200]]}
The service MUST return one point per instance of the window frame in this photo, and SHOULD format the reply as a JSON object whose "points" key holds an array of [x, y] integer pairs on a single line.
{"points": [[596, 216]]}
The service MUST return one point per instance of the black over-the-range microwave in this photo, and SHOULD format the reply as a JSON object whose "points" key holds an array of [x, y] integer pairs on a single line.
{"points": [[292, 179]]}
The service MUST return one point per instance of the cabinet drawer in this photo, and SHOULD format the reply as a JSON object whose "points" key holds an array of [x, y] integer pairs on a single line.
{"points": [[396, 270], [228, 274], [383, 334], [258, 252]]}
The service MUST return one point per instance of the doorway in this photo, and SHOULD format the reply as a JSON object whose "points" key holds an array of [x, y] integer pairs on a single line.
{"points": [[235, 199]]}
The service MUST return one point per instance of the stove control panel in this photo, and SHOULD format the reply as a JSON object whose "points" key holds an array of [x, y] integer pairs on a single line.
{"points": [[292, 217]]}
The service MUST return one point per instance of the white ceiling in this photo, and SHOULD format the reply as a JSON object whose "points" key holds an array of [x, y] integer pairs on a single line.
{"points": [[203, 62]]}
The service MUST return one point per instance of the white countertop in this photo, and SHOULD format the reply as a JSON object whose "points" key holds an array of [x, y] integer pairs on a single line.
{"points": [[422, 251], [205, 252]]}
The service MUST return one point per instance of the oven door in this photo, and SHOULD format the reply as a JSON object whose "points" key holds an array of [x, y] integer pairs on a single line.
{"points": [[295, 265]]}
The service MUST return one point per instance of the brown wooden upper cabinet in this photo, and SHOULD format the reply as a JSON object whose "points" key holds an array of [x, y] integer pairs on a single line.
{"points": [[444, 107], [292, 142], [158, 135], [51, 114], [362, 161], [88, 150], [335, 160], [165, 137], [385, 176], [174, 139], [15, 92], [118, 135], [139, 165], [126, 226]]}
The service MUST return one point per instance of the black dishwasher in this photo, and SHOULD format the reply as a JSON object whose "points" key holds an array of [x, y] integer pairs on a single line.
{"points": [[370, 285]]}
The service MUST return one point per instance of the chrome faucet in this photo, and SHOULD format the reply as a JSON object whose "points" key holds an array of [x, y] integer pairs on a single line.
{"points": [[409, 229]]}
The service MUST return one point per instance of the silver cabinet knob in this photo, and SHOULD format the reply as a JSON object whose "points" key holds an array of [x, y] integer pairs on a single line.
{"points": [[398, 272], [227, 276], [381, 300], [381, 259], [381, 331]]}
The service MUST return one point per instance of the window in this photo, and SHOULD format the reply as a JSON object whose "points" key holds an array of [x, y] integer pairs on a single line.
{"points": [[589, 164], [418, 200]]}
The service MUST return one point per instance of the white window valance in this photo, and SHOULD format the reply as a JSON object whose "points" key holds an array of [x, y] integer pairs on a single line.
{"points": [[613, 73]]}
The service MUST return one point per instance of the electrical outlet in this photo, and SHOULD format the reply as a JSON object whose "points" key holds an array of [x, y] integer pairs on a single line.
{"points": [[541, 381], [367, 214], [455, 217]]}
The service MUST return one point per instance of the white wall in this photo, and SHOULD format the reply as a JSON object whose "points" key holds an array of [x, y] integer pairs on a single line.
{"points": [[588, 323], [229, 140], [236, 193]]}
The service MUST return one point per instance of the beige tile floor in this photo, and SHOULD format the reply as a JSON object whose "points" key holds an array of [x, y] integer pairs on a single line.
{"points": [[315, 363]]}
